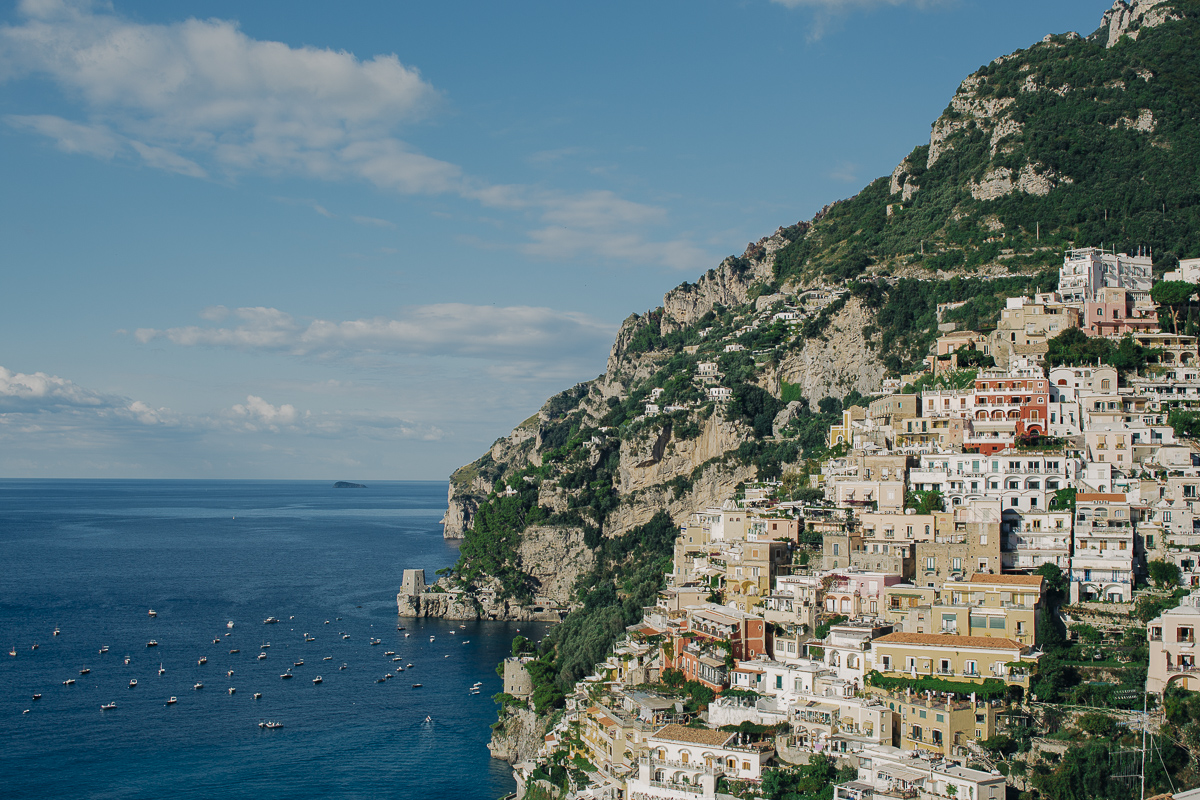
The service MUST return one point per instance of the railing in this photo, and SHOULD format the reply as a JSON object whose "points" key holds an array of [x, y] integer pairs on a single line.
{"points": [[679, 787], [1181, 668]]}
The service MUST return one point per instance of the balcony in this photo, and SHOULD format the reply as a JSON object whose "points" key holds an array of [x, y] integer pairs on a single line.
{"points": [[678, 787], [1181, 668]]}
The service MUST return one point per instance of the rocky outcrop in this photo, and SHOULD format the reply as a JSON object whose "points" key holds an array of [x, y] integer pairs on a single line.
{"points": [[554, 557], [1032, 179], [842, 361], [518, 736], [1130, 17], [679, 457]]}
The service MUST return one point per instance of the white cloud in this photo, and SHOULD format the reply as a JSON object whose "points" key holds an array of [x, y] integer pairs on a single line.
{"points": [[459, 329], [41, 391], [201, 98], [373, 222], [257, 411]]}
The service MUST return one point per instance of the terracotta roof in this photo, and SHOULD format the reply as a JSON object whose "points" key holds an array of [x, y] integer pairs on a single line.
{"points": [[1099, 497], [1012, 580], [950, 640], [704, 736]]}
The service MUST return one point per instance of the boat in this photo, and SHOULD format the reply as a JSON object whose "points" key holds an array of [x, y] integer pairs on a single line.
{"points": [[397, 658], [390, 653], [343, 666], [84, 671], [198, 686], [326, 622], [153, 613], [217, 640], [462, 627], [429, 719], [408, 666], [127, 661], [327, 658], [399, 669], [37, 697], [287, 675], [152, 643], [203, 660], [407, 635], [317, 679], [382, 680], [108, 706], [308, 638], [270, 725], [160, 668], [103, 649], [234, 650], [258, 695], [35, 646], [466, 641], [232, 690], [270, 621], [453, 632], [431, 638], [264, 645], [172, 701], [13, 652], [229, 624], [345, 636], [473, 691], [133, 683], [399, 627], [261, 656], [446, 656], [69, 682], [376, 641], [416, 686], [229, 674], [299, 663], [56, 630]]}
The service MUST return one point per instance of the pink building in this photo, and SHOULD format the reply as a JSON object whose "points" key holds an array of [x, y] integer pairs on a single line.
{"points": [[858, 594]]}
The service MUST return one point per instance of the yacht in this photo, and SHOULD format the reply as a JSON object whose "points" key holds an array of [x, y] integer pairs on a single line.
{"points": [[56, 630], [466, 641], [261, 656], [234, 650], [127, 661], [286, 675], [270, 621], [152, 643], [229, 674], [343, 666], [203, 660], [108, 706], [69, 682], [13, 652], [153, 613], [217, 640], [264, 645], [35, 646], [390, 653], [270, 725], [327, 658], [37, 697], [317, 679], [229, 624], [308, 638], [408, 666], [161, 671], [345, 636], [84, 671], [407, 635], [198, 686], [232, 690], [473, 691], [397, 658], [299, 663], [431, 638], [416, 686], [103, 649], [133, 683], [172, 701], [258, 695], [376, 641]]}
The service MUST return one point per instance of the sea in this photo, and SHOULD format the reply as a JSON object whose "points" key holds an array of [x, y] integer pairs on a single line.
{"points": [[214, 559]]}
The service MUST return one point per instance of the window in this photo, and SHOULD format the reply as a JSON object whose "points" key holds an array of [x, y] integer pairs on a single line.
{"points": [[930, 563], [957, 564]]}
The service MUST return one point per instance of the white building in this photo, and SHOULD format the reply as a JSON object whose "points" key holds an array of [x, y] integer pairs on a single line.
{"points": [[685, 763]]}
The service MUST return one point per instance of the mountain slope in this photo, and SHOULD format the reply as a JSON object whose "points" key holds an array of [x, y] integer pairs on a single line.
{"points": [[1074, 141]]}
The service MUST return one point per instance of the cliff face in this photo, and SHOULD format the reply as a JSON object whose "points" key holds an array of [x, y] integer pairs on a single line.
{"points": [[519, 736]]}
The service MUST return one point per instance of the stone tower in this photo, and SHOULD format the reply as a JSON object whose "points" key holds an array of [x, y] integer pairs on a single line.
{"points": [[414, 583]]}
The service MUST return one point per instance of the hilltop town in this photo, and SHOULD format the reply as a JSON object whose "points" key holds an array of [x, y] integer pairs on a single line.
{"points": [[973, 591]]}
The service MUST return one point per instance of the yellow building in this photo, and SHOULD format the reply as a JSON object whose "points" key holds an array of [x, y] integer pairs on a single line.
{"points": [[954, 657], [613, 740], [937, 725]]}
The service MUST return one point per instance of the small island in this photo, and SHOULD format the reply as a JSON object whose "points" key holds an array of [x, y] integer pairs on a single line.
{"points": [[349, 485]]}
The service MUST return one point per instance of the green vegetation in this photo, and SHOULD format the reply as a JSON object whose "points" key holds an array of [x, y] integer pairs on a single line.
{"points": [[1185, 423], [1164, 574], [990, 689], [812, 781], [822, 630], [925, 502], [1073, 347]]}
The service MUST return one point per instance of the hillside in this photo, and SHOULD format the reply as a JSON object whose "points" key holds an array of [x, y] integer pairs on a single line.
{"points": [[1073, 141]]}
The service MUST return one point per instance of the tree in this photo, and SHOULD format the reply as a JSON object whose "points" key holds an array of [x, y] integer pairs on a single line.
{"points": [[1173, 295], [1056, 581], [1164, 574], [925, 502]]}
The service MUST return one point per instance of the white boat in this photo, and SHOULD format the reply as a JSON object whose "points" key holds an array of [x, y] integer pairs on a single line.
{"points": [[13, 652], [407, 635], [258, 695], [287, 675], [203, 660], [152, 643], [345, 636], [161, 671], [37, 697], [133, 683], [270, 725], [198, 686], [317, 679], [153, 613], [431, 638], [429, 719], [408, 666], [108, 706], [172, 701], [84, 671], [466, 641], [229, 624], [376, 641], [232, 690], [69, 682], [270, 621], [261, 656], [327, 658], [35, 646], [56, 630], [229, 674], [389, 652], [264, 645], [127, 661], [343, 666], [234, 650], [103, 649]]}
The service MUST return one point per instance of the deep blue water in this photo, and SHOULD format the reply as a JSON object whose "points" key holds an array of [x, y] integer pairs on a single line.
{"points": [[92, 557]]}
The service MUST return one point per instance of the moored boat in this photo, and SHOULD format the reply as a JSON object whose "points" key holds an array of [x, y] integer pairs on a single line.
{"points": [[172, 700], [108, 706]]}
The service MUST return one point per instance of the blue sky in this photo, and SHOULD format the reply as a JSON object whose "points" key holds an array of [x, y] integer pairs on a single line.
{"points": [[365, 239]]}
